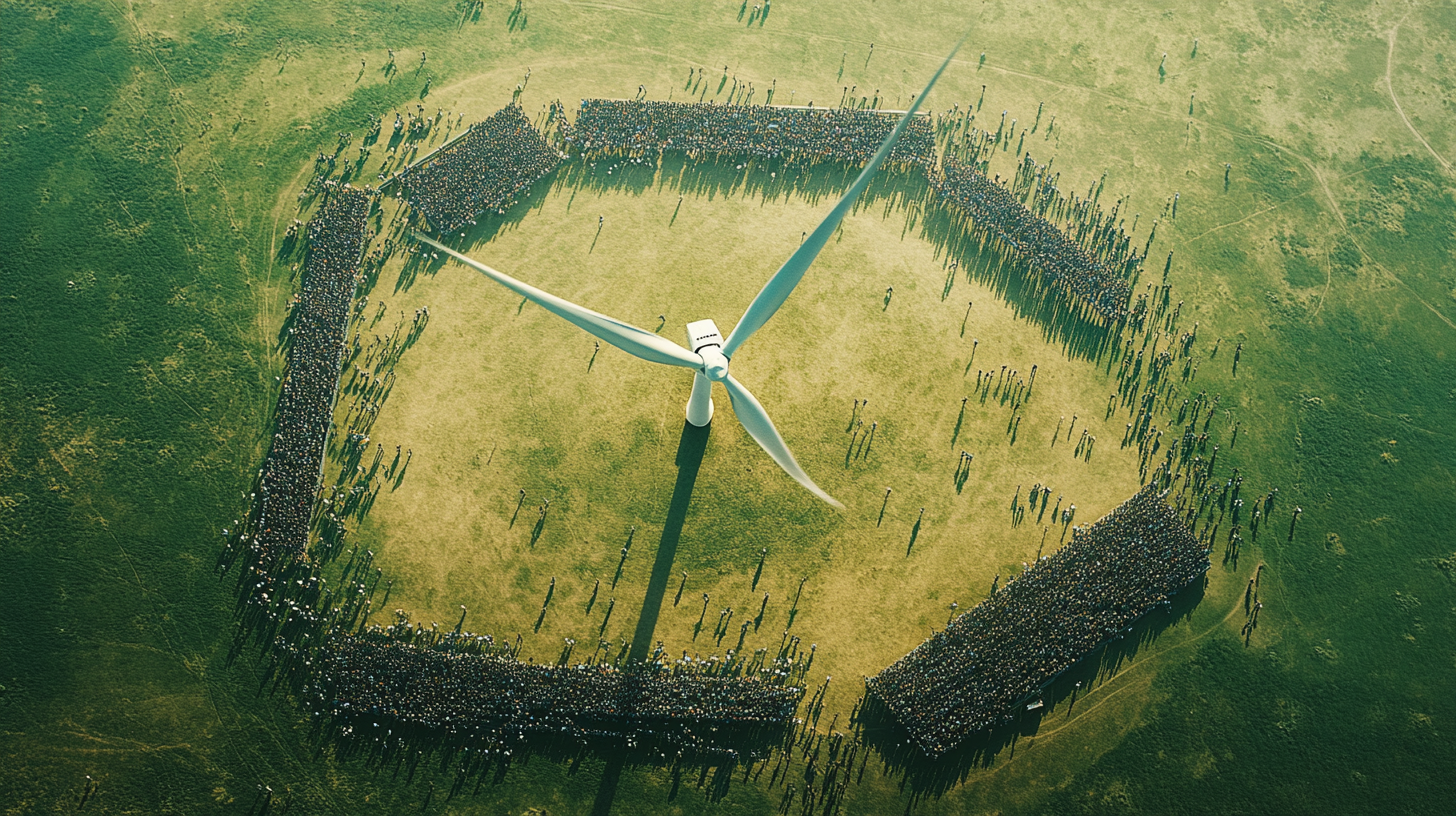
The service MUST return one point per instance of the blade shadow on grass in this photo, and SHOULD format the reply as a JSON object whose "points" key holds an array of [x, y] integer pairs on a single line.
{"points": [[690, 450]]}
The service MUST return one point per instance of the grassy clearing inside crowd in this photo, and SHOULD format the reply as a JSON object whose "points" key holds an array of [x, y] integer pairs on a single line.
{"points": [[494, 399]]}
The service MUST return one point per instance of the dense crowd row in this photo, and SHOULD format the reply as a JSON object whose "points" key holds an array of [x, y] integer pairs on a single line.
{"points": [[319, 321], [1063, 264], [971, 675], [808, 135], [804, 135], [484, 171], [470, 693]]}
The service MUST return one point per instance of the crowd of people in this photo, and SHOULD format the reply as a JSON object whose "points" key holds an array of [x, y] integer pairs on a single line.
{"points": [[487, 694], [643, 128], [463, 685], [995, 210], [962, 680], [971, 675], [317, 632], [484, 171], [802, 135], [318, 322]]}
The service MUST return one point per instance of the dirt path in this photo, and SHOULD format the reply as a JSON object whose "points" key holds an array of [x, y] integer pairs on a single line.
{"points": [[1389, 60], [1345, 227], [1146, 659], [1105, 694]]}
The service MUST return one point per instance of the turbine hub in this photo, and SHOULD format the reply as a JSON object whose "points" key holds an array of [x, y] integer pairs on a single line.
{"points": [[715, 365], [706, 342]]}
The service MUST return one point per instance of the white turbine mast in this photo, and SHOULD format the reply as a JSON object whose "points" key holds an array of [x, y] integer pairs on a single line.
{"points": [[708, 354]]}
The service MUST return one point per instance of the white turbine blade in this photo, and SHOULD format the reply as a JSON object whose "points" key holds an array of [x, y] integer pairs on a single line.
{"points": [[628, 338], [755, 420], [782, 284]]}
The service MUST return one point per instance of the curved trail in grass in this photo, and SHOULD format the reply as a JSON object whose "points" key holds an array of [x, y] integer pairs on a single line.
{"points": [[1329, 278], [1272, 207], [1389, 60], [1345, 228], [1329, 195], [1252, 215], [1378, 265], [1130, 667]]}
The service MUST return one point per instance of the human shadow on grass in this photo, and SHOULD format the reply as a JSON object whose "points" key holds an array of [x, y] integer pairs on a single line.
{"points": [[1064, 321], [455, 761], [708, 177], [932, 777], [462, 765]]}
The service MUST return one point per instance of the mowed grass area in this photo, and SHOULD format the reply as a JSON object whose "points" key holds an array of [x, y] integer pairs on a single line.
{"points": [[142, 304]]}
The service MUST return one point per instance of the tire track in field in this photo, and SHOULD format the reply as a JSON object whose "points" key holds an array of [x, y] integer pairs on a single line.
{"points": [[1389, 88], [1238, 604]]}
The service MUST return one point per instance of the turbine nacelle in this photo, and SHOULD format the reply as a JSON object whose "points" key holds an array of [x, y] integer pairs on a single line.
{"points": [[705, 341]]}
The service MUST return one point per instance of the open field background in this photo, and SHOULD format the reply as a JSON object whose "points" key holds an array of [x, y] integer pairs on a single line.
{"points": [[150, 155]]}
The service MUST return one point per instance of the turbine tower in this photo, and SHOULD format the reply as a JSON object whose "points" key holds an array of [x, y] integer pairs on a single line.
{"points": [[708, 354]]}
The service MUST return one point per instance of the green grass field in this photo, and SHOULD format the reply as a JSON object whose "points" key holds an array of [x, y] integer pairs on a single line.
{"points": [[150, 160]]}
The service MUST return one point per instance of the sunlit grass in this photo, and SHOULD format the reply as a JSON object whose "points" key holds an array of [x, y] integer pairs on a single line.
{"points": [[141, 302]]}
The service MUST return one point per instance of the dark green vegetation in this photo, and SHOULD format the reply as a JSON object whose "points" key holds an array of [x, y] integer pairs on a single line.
{"points": [[139, 308]]}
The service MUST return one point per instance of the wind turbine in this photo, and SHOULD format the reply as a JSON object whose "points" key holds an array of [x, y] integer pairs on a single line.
{"points": [[708, 354]]}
